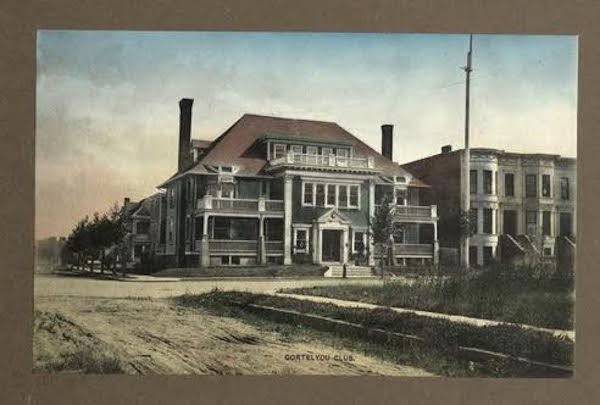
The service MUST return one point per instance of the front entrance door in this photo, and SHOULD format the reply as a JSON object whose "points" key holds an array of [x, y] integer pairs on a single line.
{"points": [[331, 245], [510, 222]]}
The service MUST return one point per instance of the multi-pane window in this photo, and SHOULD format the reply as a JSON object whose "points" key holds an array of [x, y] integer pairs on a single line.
{"points": [[296, 149], [531, 185], [531, 222], [353, 202], [564, 188], [400, 197], [487, 182], [509, 184], [331, 197], [301, 243], [488, 218], [473, 181], [473, 220], [320, 196], [308, 194], [326, 151], [227, 190], [545, 185], [546, 215], [359, 243], [342, 196], [279, 150]]}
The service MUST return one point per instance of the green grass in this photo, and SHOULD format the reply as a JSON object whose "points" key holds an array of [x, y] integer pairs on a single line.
{"points": [[438, 354], [517, 296], [297, 270]]}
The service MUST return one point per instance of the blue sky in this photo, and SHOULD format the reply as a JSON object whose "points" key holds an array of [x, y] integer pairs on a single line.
{"points": [[107, 112]]}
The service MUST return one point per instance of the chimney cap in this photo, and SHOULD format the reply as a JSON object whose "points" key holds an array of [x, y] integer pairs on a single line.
{"points": [[446, 148]]}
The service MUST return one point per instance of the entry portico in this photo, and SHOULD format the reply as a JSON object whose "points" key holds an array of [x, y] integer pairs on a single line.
{"points": [[331, 237]]}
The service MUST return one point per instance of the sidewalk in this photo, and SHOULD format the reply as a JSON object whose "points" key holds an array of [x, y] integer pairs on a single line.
{"points": [[453, 318]]}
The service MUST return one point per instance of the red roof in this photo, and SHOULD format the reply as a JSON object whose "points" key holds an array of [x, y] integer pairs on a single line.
{"points": [[231, 148]]}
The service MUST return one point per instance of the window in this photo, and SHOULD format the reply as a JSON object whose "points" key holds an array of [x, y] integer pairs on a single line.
{"points": [[171, 230], [545, 185], [312, 150], [546, 215], [487, 182], [509, 184], [488, 218], [353, 196], [320, 199], [297, 149], [531, 222], [473, 255], [473, 181], [473, 213], [227, 190], [307, 198], [547, 251], [279, 150], [326, 151], [564, 188], [400, 197], [301, 240], [488, 255], [342, 156], [331, 196], [358, 245], [531, 185], [172, 197], [342, 196], [142, 228]]}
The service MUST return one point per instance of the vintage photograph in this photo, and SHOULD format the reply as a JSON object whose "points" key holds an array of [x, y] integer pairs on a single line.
{"points": [[299, 203]]}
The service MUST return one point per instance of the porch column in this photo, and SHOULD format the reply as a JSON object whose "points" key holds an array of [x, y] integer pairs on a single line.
{"points": [[287, 222], [262, 249], [316, 244], [371, 215], [204, 246], [345, 245], [436, 245]]}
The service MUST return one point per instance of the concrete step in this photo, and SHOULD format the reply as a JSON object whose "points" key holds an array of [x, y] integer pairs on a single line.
{"points": [[351, 271]]}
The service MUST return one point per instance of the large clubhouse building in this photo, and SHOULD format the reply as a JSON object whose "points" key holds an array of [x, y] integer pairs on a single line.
{"points": [[278, 190]]}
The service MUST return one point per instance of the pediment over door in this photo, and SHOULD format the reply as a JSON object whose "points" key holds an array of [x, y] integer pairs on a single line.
{"points": [[333, 216]]}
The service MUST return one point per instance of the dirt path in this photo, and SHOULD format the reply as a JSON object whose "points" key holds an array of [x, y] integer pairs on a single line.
{"points": [[152, 336]]}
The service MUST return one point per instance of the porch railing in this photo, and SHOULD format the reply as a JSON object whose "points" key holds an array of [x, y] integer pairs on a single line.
{"points": [[209, 202], [274, 246], [329, 160], [413, 249], [232, 246]]}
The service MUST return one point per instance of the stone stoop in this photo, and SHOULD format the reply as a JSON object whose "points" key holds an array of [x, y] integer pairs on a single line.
{"points": [[351, 271]]}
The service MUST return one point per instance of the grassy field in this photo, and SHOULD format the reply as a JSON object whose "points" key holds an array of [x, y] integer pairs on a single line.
{"points": [[438, 354], [510, 296], [297, 270]]}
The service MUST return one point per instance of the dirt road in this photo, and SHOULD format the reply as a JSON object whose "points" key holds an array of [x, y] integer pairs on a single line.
{"points": [[153, 336]]}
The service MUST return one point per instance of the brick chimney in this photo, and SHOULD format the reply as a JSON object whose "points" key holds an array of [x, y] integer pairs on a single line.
{"points": [[185, 129], [387, 142], [126, 201]]}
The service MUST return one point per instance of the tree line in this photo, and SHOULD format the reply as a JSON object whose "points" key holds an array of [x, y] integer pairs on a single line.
{"points": [[99, 238]]}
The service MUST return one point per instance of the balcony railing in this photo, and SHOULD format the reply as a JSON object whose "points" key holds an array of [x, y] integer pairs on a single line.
{"points": [[404, 212], [331, 160], [209, 202]]}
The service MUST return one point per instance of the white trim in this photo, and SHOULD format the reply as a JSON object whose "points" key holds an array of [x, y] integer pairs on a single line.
{"points": [[296, 146], [275, 145], [313, 189], [337, 186], [364, 232]]}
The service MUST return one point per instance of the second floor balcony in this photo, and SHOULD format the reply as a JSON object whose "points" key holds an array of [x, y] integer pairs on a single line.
{"points": [[210, 203], [329, 161], [410, 213]]}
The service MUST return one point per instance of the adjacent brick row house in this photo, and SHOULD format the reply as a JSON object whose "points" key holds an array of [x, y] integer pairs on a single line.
{"points": [[520, 203], [279, 190]]}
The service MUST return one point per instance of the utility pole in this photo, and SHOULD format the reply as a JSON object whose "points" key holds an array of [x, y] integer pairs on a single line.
{"points": [[466, 166]]}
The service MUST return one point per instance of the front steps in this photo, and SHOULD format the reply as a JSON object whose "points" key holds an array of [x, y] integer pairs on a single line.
{"points": [[351, 271]]}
